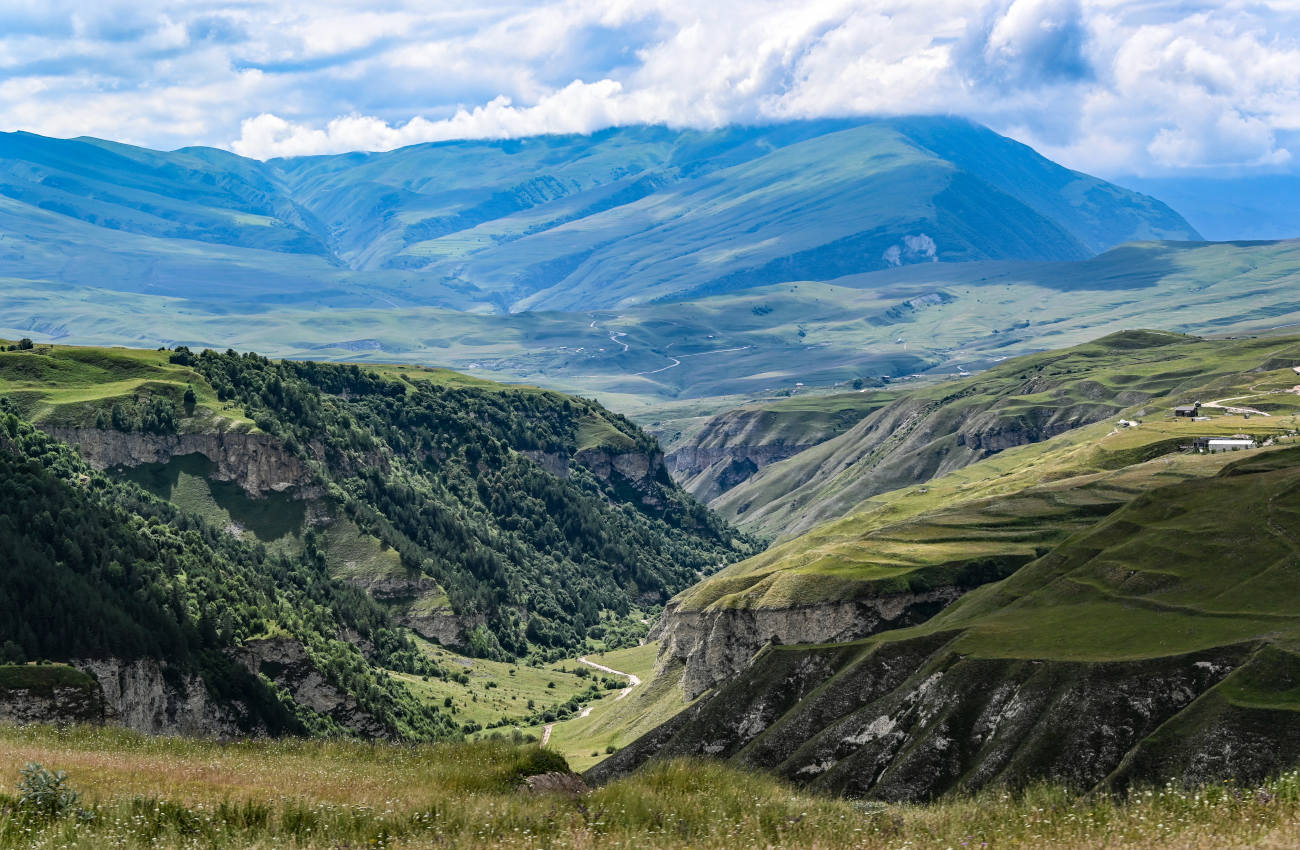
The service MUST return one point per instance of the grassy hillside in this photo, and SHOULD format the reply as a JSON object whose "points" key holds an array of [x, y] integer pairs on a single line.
{"points": [[1127, 609], [939, 428], [1159, 642], [169, 792]]}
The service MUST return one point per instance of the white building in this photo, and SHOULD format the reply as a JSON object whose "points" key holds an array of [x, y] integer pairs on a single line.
{"points": [[1228, 444]]}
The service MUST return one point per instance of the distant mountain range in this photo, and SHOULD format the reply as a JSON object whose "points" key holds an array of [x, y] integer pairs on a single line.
{"points": [[624, 216], [1223, 208]]}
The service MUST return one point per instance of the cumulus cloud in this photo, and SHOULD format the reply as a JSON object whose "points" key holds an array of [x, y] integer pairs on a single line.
{"points": [[1105, 85], [1028, 43]]}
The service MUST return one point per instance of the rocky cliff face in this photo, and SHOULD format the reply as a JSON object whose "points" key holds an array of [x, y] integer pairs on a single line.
{"points": [[143, 696], [285, 661], [136, 694], [708, 472], [139, 696], [442, 625], [716, 643], [911, 720], [637, 475], [556, 463], [259, 463], [736, 444], [66, 703]]}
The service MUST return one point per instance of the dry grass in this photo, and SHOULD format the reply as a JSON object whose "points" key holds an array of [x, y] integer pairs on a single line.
{"points": [[158, 792]]}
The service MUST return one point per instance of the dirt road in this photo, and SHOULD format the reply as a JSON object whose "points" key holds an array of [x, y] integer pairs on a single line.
{"points": [[632, 682]]}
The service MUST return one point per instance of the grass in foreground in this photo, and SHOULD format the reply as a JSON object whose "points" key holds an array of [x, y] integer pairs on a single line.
{"points": [[166, 792]]}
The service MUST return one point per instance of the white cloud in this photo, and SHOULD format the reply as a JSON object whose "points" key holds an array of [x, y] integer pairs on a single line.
{"points": [[1105, 85]]}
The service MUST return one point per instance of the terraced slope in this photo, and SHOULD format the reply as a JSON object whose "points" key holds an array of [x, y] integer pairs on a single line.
{"points": [[1161, 643]]}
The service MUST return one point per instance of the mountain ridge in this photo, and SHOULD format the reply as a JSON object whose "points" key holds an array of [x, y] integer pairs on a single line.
{"points": [[620, 216]]}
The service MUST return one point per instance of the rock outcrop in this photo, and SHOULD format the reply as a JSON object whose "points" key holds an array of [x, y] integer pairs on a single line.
{"points": [[708, 472], [285, 661], [556, 463], [75, 699], [736, 444], [140, 695], [911, 720], [564, 784], [442, 625], [716, 643], [259, 463], [637, 475]]}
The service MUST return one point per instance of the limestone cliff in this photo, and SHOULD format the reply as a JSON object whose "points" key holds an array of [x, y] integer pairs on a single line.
{"points": [[50, 694], [708, 472], [138, 695], [259, 463], [716, 643], [736, 444], [640, 476], [285, 661]]}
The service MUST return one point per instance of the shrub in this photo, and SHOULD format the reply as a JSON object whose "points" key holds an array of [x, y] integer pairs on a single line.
{"points": [[46, 795]]}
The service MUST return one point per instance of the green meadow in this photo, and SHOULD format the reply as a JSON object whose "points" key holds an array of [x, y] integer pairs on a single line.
{"points": [[138, 791]]}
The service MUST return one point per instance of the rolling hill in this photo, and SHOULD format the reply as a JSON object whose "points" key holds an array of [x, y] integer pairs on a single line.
{"points": [[931, 430], [930, 318]]}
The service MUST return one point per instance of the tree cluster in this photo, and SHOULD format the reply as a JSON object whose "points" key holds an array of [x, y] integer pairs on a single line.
{"points": [[91, 567], [444, 475]]}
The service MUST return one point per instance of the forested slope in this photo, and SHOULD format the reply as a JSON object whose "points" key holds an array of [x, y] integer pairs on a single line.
{"points": [[453, 478], [503, 520], [92, 568]]}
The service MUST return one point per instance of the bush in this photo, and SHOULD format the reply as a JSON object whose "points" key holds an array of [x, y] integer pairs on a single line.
{"points": [[46, 795]]}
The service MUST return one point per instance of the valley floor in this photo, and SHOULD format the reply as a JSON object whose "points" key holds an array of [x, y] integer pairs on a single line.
{"points": [[139, 791]]}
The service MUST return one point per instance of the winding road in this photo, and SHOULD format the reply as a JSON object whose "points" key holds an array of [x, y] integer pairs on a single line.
{"points": [[676, 362], [632, 681], [1218, 404]]}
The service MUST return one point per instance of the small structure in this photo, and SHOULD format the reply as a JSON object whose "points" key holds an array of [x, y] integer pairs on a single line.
{"points": [[1129, 423], [1190, 411], [1224, 444]]}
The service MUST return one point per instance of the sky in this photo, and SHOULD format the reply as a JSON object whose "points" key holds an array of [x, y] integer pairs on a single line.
{"points": [[1151, 88]]}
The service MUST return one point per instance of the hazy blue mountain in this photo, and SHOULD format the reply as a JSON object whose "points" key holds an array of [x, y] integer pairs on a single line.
{"points": [[623, 216], [1261, 207]]}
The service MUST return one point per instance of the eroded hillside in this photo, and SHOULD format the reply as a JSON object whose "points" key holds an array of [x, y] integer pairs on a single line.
{"points": [[942, 635]]}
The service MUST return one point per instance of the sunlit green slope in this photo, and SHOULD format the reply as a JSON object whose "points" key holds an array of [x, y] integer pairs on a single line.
{"points": [[936, 429]]}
